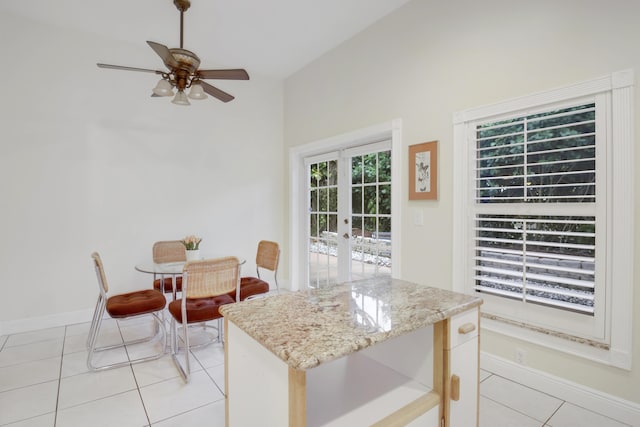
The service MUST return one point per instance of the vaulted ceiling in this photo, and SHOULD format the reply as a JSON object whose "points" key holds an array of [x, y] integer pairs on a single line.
{"points": [[270, 37]]}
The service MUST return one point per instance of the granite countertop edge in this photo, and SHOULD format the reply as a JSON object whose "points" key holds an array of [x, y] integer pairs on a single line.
{"points": [[304, 330]]}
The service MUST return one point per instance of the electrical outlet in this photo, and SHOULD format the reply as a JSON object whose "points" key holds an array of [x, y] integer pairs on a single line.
{"points": [[521, 356]]}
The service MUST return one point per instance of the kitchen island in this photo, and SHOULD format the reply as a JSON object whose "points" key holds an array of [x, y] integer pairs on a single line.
{"points": [[381, 352]]}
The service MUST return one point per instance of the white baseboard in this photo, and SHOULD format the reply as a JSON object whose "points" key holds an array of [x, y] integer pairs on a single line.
{"points": [[577, 394], [9, 327], [17, 326]]}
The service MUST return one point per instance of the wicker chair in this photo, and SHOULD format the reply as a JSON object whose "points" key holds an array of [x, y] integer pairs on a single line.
{"points": [[168, 251], [206, 284], [267, 257], [132, 304]]}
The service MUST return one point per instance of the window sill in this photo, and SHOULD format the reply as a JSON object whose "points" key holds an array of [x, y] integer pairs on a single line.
{"points": [[584, 349]]}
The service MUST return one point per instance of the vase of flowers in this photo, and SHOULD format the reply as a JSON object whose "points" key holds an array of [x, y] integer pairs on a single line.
{"points": [[192, 245]]}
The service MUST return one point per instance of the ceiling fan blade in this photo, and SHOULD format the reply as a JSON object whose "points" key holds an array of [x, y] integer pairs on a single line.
{"points": [[164, 53], [121, 67], [215, 92], [236, 74]]}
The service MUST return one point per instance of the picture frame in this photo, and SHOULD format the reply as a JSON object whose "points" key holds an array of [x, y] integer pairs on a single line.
{"points": [[423, 171]]}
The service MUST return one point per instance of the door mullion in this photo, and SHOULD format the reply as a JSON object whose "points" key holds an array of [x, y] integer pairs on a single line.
{"points": [[344, 218]]}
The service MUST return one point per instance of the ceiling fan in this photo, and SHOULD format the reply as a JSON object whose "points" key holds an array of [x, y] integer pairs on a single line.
{"points": [[183, 72]]}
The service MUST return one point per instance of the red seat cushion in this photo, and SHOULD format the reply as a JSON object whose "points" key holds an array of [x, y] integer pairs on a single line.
{"points": [[135, 303], [250, 286], [200, 309], [168, 283]]}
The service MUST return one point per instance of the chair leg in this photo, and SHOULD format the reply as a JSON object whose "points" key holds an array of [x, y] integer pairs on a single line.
{"points": [[187, 349], [185, 370], [93, 322], [161, 289], [220, 331], [173, 338], [95, 332]]}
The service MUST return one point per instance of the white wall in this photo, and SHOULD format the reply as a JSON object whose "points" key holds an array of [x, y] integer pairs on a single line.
{"points": [[88, 161], [433, 58]]}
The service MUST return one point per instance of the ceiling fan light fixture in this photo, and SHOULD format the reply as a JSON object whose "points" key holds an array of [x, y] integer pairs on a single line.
{"points": [[197, 92], [183, 70], [163, 88], [181, 98]]}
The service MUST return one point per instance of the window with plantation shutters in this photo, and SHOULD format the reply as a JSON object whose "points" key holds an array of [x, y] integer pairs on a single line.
{"points": [[544, 158], [543, 216]]}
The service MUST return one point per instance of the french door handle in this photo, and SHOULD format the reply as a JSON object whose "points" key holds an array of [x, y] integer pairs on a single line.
{"points": [[346, 235]]}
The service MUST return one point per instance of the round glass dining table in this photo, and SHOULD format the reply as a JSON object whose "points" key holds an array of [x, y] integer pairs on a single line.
{"points": [[174, 269], [169, 268]]}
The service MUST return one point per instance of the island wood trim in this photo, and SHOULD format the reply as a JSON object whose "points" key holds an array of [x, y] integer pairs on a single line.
{"points": [[442, 368], [411, 411], [297, 398]]}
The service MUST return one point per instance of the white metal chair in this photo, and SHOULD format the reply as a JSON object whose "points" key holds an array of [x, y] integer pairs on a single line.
{"points": [[205, 287], [132, 304]]}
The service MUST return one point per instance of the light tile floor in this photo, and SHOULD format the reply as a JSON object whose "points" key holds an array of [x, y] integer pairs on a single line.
{"points": [[44, 382]]}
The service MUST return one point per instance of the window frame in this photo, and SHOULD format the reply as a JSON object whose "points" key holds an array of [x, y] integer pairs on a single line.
{"points": [[608, 339]]}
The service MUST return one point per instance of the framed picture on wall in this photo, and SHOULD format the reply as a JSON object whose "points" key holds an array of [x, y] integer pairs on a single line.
{"points": [[423, 171]]}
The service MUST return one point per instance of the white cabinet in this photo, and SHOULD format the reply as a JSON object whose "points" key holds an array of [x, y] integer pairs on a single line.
{"points": [[463, 410]]}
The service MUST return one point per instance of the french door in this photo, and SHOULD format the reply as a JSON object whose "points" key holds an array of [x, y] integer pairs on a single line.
{"points": [[349, 214]]}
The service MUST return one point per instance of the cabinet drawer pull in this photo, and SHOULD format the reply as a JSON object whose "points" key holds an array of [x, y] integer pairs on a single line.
{"points": [[455, 388], [466, 328]]}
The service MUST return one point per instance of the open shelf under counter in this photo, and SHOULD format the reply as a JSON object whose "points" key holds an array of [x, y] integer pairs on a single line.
{"points": [[388, 384]]}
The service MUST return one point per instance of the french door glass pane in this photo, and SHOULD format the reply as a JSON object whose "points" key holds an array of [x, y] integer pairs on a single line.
{"points": [[357, 235], [371, 215], [323, 221]]}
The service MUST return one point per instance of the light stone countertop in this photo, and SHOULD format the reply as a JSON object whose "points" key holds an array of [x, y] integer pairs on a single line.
{"points": [[307, 328]]}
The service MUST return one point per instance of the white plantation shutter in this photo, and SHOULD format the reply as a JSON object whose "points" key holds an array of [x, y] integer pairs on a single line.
{"points": [[542, 158], [517, 258], [547, 159], [544, 216]]}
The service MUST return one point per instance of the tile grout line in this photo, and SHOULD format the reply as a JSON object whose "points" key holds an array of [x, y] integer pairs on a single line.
{"points": [[544, 423], [512, 409], [133, 372], [144, 407], [554, 412], [64, 341], [529, 387]]}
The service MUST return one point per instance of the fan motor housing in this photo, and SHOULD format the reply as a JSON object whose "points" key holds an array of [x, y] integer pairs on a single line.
{"points": [[187, 60]]}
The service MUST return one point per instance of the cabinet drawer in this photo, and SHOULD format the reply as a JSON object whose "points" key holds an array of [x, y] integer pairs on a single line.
{"points": [[464, 327]]}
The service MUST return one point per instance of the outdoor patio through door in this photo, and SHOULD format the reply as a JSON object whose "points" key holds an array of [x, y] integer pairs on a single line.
{"points": [[349, 222]]}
